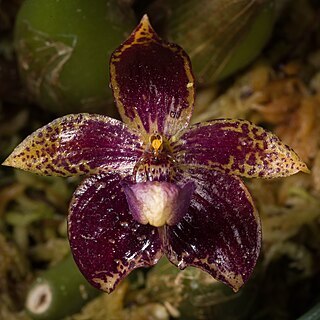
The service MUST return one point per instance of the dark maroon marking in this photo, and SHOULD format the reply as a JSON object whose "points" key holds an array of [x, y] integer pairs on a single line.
{"points": [[220, 226], [214, 144], [152, 81], [154, 168], [86, 142], [103, 234]]}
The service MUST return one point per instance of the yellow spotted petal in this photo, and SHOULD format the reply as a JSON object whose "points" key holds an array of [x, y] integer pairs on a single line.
{"points": [[152, 82], [78, 144], [236, 147]]}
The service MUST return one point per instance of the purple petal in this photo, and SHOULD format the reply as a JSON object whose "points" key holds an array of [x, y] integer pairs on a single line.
{"points": [[236, 147], [158, 203], [221, 232], [78, 144], [106, 242], [152, 82]]}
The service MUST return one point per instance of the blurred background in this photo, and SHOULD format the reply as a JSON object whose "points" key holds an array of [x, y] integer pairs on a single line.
{"points": [[253, 59]]}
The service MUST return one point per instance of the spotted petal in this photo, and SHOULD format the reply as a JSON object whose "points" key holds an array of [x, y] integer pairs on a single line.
{"points": [[106, 242], [237, 147], [221, 232], [152, 82], [78, 144]]}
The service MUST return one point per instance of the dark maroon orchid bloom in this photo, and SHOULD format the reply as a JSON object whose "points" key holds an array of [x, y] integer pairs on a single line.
{"points": [[154, 185]]}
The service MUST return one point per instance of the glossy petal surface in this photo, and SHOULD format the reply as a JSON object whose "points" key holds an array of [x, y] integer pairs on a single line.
{"points": [[78, 144], [221, 232], [236, 147], [152, 82], [106, 242]]}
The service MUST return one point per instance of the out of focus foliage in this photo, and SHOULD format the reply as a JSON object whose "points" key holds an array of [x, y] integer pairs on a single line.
{"points": [[280, 91]]}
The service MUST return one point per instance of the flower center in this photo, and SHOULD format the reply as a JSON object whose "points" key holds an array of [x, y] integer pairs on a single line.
{"points": [[156, 163], [156, 143]]}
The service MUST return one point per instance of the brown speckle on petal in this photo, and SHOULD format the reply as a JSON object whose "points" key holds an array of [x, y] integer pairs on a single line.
{"points": [[236, 147], [79, 144], [152, 82]]}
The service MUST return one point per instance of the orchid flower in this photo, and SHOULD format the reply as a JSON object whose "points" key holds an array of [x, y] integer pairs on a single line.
{"points": [[155, 185]]}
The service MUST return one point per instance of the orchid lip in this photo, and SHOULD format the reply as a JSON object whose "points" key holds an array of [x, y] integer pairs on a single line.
{"points": [[158, 203]]}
